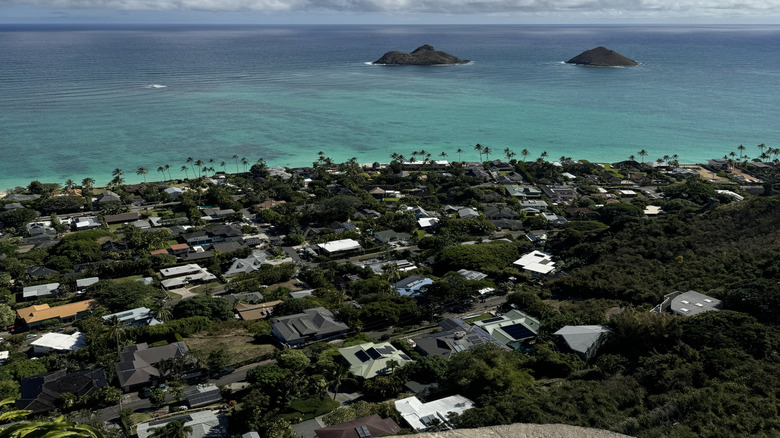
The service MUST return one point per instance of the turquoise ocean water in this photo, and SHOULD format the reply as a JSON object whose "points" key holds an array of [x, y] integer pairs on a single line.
{"points": [[81, 101]]}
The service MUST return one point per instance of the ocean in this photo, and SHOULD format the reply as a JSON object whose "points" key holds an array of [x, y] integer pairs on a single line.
{"points": [[80, 101]]}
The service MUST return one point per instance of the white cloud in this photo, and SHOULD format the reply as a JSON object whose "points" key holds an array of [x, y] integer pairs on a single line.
{"points": [[601, 7]]}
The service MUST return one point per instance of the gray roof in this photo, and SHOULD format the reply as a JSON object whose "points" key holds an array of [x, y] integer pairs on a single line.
{"points": [[312, 323], [457, 336], [580, 338], [136, 362], [472, 275], [122, 217], [692, 303]]}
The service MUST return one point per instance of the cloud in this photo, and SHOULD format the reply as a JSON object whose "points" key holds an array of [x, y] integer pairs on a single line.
{"points": [[602, 7]]}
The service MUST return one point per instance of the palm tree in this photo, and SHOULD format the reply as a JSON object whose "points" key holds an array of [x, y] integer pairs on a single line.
{"points": [[478, 148], [69, 184], [164, 314], [87, 184], [222, 165], [117, 172], [186, 171], [57, 428], [543, 155], [168, 168], [643, 154], [244, 162], [161, 170], [142, 171], [741, 149], [524, 153], [443, 155], [459, 151], [761, 148], [487, 151], [174, 429], [509, 154], [339, 373], [235, 157], [631, 158], [198, 165]]}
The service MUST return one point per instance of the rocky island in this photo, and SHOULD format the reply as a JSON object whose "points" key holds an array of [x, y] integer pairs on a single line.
{"points": [[602, 57], [423, 55]]}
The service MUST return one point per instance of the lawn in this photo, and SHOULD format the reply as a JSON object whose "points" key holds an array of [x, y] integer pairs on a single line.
{"points": [[237, 343], [482, 317]]}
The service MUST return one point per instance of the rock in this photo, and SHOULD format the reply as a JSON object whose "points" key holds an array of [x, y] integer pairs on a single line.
{"points": [[423, 55], [601, 57]]}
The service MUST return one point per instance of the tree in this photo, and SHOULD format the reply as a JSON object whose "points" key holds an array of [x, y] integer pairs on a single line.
{"points": [[186, 171], [487, 151], [244, 162], [161, 170], [525, 153], [157, 397], [142, 171], [59, 428], [479, 148], [459, 151], [217, 360], [7, 315], [643, 154]]}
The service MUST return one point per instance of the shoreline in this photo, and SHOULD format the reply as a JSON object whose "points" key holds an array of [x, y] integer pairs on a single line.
{"points": [[134, 178]]}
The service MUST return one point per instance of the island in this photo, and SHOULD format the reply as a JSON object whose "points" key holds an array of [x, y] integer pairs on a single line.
{"points": [[602, 57], [423, 55]]}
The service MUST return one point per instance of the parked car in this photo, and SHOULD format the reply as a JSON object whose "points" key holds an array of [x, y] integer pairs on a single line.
{"points": [[31, 335]]}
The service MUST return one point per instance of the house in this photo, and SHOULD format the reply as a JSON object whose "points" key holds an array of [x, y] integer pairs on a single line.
{"points": [[40, 271], [507, 224], [311, 325], [456, 336], [249, 297], [215, 214], [389, 236], [59, 342], [225, 233], [112, 246], [535, 204], [36, 314], [584, 340], [4, 357], [204, 424], [536, 263], [688, 303], [226, 247], [197, 238], [427, 223], [40, 228], [135, 368], [134, 317], [20, 197], [142, 224], [514, 329], [253, 312], [378, 266], [246, 265], [554, 218], [43, 393], [85, 223], [496, 212], [269, 204], [339, 246], [472, 275], [370, 426], [411, 286], [559, 194], [468, 213], [175, 192], [420, 416], [202, 395], [369, 360], [121, 218], [719, 164], [108, 197], [178, 276], [83, 283]]}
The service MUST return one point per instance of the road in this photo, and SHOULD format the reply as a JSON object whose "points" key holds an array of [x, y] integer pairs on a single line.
{"points": [[134, 402]]}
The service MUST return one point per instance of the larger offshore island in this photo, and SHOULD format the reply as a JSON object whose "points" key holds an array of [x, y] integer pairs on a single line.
{"points": [[520, 294]]}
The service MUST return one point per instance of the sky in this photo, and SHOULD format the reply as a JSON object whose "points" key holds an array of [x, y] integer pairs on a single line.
{"points": [[391, 11]]}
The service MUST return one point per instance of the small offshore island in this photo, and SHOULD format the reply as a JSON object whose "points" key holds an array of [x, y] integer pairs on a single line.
{"points": [[423, 55], [418, 295], [602, 57]]}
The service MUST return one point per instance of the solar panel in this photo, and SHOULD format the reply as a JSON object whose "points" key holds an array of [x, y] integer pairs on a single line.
{"points": [[204, 398], [373, 353], [403, 356], [386, 350], [362, 356], [518, 331], [363, 431]]}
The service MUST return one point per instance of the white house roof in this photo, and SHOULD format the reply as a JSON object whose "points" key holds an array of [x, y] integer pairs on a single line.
{"points": [[340, 245], [133, 315], [426, 222], [40, 290], [84, 282], [536, 261], [203, 424], [180, 270], [419, 415], [61, 342]]}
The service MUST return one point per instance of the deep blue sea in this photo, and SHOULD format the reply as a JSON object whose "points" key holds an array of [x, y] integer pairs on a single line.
{"points": [[81, 101]]}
